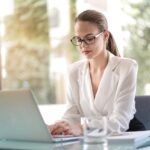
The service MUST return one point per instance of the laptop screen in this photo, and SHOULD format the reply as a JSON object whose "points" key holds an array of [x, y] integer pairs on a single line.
{"points": [[20, 118]]}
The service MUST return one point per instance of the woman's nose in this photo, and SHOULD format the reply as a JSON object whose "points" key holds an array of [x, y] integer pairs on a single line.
{"points": [[83, 44]]}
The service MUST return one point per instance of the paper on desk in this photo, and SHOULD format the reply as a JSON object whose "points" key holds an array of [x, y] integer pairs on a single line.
{"points": [[138, 138]]}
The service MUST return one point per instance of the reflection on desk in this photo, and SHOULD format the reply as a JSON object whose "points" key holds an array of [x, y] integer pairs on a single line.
{"points": [[84, 146], [64, 146]]}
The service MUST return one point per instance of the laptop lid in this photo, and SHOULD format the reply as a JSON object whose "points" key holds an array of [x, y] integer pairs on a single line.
{"points": [[20, 118]]}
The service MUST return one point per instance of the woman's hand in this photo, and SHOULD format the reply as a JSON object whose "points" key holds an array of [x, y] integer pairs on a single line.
{"points": [[63, 127], [58, 128]]}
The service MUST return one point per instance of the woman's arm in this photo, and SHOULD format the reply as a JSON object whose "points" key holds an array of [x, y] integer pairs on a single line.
{"points": [[124, 104], [70, 122]]}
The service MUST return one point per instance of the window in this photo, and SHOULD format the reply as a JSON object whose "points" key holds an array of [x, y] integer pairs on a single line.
{"points": [[36, 50]]}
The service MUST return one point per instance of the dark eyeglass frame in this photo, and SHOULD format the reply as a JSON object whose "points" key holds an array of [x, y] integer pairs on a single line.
{"points": [[85, 39]]}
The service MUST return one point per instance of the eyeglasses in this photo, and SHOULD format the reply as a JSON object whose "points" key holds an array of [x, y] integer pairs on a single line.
{"points": [[90, 39]]}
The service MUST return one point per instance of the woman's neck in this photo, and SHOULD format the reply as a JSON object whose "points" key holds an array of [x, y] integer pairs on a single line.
{"points": [[99, 63]]}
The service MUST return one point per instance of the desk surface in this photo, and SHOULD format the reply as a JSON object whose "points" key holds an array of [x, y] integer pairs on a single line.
{"points": [[64, 146]]}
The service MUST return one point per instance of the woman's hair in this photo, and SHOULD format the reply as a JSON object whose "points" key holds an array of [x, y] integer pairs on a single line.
{"points": [[100, 20]]}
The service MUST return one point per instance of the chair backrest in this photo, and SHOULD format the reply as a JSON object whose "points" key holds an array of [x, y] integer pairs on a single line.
{"points": [[143, 110]]}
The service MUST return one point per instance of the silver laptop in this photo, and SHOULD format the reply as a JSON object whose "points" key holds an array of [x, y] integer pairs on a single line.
{"points": [[21, 120]]}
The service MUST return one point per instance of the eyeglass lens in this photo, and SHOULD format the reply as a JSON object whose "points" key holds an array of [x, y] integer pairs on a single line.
{"points": [[88, 40]]}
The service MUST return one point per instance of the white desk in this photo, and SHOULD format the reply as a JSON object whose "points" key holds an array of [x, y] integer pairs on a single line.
{"points": [[64, 146]]}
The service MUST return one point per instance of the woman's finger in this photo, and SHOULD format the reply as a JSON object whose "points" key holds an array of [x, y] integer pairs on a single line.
{"points": [[60, 127], [57, 131]]}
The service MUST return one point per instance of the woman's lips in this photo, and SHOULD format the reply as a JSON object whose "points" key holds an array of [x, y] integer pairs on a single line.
{"points": [[86, 52]]}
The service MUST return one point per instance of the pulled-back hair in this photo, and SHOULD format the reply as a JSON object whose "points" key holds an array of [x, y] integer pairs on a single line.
{"points": [[99, 19]]}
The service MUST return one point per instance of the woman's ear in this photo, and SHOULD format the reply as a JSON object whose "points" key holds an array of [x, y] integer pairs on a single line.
{"points": [[106, 35]]}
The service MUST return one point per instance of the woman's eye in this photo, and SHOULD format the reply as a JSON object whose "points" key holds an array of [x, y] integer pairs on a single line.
{"points": [[90, 38], [78, 39]]}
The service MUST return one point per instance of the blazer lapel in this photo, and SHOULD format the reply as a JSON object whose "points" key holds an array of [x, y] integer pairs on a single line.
{"points": [[107, 85], [85, 90], [105, 90]]}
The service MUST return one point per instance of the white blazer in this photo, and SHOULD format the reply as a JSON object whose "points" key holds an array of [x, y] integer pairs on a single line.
{"points": [[114, 98]]}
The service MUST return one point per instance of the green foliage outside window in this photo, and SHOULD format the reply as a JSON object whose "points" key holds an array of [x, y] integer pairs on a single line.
{"points": [[27, 37], [75, 53], [138, 46]]}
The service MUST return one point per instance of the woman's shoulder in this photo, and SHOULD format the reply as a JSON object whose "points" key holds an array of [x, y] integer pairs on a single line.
{"points": [[77, 66], [122, 64], [122, 61], [127, 61]]}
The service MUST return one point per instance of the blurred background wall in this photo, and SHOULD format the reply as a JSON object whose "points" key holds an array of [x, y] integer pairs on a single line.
{"points": [[35, 43]]}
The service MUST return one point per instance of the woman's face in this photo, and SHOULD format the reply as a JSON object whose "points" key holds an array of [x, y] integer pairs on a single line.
{"points": [[85, 30]]}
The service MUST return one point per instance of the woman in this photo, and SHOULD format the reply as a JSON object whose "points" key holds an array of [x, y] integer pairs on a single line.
{"points": [[104, 84]]}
